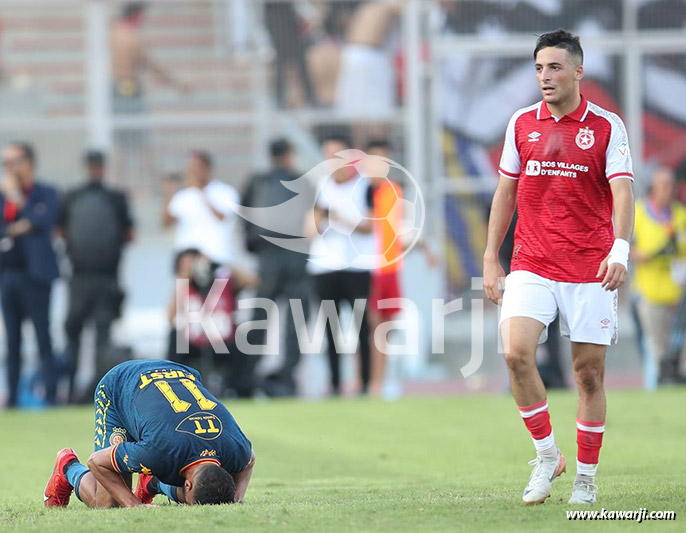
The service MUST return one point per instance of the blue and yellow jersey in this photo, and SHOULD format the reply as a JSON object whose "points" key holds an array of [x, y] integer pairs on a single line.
{"points": [[160, 419]]}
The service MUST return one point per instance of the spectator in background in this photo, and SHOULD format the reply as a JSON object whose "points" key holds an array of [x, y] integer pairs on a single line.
{"points": [[290, 46], [324, 56], [659, 253], [344, 240], [282, 272], [129, 61], [203, 211], [96, 223], [385, 280], [366, 80], [28, 265], [233, 367]]}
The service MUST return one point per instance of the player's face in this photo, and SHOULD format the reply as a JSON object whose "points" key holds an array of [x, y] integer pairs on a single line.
{"points": [[558, 75]]}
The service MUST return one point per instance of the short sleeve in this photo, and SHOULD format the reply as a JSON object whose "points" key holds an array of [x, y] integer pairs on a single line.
{"points": [[510, 162], [138, 457], [322, 199], [223, 197], [618, 162], [175, 207]]}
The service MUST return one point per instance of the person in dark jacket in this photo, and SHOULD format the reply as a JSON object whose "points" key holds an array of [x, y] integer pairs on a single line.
{"points": [[96, 223], [281, 271], [28, 265]]}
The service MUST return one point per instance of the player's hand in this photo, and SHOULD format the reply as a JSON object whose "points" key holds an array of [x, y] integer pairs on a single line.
{"points": [[493, 273], [615, 275]]}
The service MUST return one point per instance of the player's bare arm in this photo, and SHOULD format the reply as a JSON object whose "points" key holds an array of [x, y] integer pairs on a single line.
{"points": [[242, 479], [615, 273], [100, 465], [502, 209]]}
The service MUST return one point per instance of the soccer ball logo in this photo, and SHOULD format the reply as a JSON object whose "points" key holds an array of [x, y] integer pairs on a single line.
{"points": [[392, 230], [395, 219]]}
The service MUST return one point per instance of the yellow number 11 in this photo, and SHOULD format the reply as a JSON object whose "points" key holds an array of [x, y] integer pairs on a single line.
{"points": [[180, 405]]}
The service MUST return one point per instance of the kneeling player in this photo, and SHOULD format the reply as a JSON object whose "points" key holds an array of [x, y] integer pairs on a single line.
{"points": [[156, 418]]}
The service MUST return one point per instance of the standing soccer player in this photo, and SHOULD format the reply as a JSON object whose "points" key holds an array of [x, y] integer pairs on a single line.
{"points": [[566, 166]]}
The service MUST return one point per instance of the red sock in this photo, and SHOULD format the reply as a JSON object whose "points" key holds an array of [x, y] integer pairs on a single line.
{"points": [[589, 439], [537, 419]]}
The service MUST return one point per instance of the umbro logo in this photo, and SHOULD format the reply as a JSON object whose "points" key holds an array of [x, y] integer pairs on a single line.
{"points": [[605, 323], [534, 136]]}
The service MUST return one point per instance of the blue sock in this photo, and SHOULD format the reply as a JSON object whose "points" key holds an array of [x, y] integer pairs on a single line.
{"points": [[74, 473], [168, 490]]}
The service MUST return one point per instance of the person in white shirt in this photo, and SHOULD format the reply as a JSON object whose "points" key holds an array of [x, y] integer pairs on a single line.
{"points": [[203, 211], [341, 260]]}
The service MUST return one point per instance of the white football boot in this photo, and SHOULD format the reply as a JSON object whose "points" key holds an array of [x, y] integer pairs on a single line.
{"points": [[542, 477], [583, 492]]}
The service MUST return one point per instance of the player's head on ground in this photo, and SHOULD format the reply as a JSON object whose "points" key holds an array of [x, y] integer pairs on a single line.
{"points": [[209, 484], [559, 66]]}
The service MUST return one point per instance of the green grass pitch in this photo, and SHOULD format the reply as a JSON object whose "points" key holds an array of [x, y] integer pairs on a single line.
{"points": [[419, 464]]}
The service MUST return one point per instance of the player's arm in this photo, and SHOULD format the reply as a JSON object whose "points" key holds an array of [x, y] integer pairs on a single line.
{"points": [[502, 209], [101, 466], [614, 266], [242, 479]]}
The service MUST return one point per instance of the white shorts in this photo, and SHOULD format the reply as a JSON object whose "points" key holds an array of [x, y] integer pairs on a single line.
{"points": [[588, 313], [366, 81]]}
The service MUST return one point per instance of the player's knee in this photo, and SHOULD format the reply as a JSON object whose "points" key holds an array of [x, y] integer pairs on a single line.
{"points": [[589, 378], [517, 359]]}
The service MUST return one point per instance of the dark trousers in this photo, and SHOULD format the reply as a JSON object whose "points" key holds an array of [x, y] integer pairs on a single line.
{"points": [[96, 298], [282, 279], [346, 286], [21, 298]]}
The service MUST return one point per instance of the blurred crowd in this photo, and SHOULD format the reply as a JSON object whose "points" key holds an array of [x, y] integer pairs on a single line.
{"points": [[352, 209], [345, 55]]}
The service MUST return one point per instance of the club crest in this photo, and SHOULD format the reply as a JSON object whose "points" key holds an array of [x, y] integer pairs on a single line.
{"points": [[585, 139]]}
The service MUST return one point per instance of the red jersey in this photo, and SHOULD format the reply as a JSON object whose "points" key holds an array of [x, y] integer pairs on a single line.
{"points": [[222, 315], [564, 167]]}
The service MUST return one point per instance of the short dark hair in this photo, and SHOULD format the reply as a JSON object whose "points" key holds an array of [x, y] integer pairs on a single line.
{"points": [[280, 148], [560, 38], [204, 156], [213, 486], [94, 158], [27, 150], [339, 138], [378, 144], [131, 9]]}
